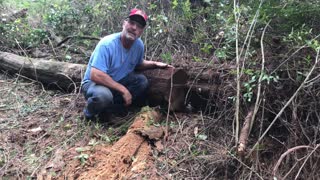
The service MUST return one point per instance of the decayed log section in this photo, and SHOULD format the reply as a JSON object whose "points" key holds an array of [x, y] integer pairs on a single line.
{"points": [[167, 85], [67, 76], [129, 156]]}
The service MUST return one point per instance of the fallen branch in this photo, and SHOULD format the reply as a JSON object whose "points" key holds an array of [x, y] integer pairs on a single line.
{"points": [[285, 154], [76, 36], [244, 134], [305, 161]]}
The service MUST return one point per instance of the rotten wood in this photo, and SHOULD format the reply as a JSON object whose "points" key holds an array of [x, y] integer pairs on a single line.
{"points": [[130, 155], [167, 85]]}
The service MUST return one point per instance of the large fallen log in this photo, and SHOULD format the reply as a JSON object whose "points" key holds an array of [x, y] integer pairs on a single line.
{"points": [[66, 76], [7, 18], [166, 85]]}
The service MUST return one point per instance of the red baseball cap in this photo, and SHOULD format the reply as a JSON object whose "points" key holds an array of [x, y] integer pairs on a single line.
{"points": [[139, 16]]}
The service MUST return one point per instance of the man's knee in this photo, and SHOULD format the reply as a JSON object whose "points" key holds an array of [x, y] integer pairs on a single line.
{"points": [[143, 81], [102, 95]]}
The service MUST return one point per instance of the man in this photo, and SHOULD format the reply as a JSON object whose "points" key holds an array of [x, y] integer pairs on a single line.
{"points": [[110, 83]]}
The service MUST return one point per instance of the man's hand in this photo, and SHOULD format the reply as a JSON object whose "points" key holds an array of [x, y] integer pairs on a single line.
{"points": [[102, 78], [127, 97], [162, 65]]}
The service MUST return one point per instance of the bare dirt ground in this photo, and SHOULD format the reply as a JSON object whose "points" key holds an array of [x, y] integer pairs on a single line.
{"points": [[44, 136]]}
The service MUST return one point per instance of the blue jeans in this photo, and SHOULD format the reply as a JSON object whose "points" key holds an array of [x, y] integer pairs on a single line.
{"points": [[101, 99]]}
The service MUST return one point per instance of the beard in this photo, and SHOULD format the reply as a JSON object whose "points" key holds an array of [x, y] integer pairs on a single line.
{"points": [[130, 36]]}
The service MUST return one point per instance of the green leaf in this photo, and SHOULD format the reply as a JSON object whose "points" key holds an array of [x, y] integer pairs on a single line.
{"points": [[202, 137], [82, 149], [68, 57]]}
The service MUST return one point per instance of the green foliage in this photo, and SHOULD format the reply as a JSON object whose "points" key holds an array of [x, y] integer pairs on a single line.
{"points": [[252, 83], [174, 4], [206, 48], [82, 158], [2, 157], [203, 28], [299, 36], [166, 57], [160, 27], [61, 18], [295, 13], [221, 53], [20, 32], [314, 44], [186, 9], [197, 59]]}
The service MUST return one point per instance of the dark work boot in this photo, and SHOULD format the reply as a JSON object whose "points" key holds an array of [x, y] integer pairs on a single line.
{"points": [[88, 116], [104, 117]]}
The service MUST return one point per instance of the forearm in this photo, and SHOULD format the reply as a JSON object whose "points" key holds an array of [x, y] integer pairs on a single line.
{"points": [[104, 79], [147, 65]]}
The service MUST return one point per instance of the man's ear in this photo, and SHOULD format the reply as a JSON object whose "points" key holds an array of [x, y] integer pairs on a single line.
{"points": [[124, 21]]}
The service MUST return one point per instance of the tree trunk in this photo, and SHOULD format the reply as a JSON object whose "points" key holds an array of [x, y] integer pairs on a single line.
{"points": [[166, 85], [66, 76]]}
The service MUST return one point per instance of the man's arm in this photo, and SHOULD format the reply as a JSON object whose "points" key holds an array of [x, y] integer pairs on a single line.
{"points": [[104, 79], [152, 64]]}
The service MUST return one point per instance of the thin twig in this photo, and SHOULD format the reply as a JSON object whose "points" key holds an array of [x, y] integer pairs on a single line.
{"points": [[306, 160], [237, 118], [249, 36], [169, 104], [232, 155], [284, 155], [256, 107]]}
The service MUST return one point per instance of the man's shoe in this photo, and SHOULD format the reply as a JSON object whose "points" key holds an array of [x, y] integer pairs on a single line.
{"points": [[88, 116], [104, 117]]}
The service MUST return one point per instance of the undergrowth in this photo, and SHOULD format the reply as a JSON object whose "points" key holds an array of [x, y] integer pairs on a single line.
{"points": [[271, 49]]}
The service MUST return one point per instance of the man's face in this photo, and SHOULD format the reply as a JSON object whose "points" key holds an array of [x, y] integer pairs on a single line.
{"points": [[132, 29]]}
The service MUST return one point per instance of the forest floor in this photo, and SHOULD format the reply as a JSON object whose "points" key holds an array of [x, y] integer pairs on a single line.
{"points": [[45, 136]]}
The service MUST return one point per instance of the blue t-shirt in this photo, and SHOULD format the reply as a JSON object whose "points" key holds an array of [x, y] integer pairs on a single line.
{"points": [[112, 58]]}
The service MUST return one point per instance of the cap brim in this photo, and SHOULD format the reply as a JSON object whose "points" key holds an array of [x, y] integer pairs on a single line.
{"points": [[138, 19]]}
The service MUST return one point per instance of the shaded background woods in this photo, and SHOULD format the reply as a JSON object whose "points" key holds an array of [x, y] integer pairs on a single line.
{"points": [[258, 58]]}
